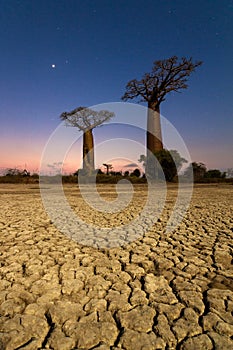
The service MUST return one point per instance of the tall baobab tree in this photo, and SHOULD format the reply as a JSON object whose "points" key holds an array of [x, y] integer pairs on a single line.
{"points": [[167, 75], [86, 119]]}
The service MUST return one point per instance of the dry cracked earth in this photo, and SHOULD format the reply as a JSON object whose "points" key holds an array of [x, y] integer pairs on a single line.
{"points": [[162, 291]]}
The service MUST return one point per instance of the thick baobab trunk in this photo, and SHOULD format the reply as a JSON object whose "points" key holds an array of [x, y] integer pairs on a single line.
{"points": [[154, 140], [88, 151], [154, 133]]}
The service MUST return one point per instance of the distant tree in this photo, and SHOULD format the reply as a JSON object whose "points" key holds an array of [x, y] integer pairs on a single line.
{"points": [[108, 167], [118, 173], [17, 172], [166, 76], [136, 172], [170, 162], [12, 172], [126, 173], [213, 173], [25, 173], [198, 170], [85, 119]]}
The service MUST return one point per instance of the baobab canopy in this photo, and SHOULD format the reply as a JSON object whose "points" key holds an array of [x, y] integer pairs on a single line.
{"points": [[166, 75], [86, 118]]}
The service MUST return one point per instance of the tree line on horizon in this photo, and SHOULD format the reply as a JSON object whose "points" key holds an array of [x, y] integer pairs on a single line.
{"points": [[199, 170]]}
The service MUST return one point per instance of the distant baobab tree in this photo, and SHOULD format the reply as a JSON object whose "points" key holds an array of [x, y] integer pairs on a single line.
{"points": [[86, 119], [108, 166], [167, 75]]}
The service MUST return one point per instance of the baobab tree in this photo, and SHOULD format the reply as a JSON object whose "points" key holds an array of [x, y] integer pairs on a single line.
{"points": [[86, 119], [166, 76], [108, 166]]}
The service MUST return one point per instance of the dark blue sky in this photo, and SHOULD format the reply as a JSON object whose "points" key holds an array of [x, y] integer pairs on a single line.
{"points": [[96, 47]]}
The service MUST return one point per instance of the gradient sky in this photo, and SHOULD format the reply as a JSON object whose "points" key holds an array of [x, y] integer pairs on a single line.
{"points": [[58, 55]]}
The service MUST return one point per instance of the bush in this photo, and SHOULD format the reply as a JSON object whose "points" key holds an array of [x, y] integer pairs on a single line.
{"points": [[136, 173], [170, 162], [215, 174]]}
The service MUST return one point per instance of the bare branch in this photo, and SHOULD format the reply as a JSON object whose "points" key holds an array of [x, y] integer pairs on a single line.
{"points": [[167, 75], [135, 88]]}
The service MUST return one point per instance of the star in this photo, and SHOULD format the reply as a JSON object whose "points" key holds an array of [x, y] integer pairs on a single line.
{"points": [[53, 66]]}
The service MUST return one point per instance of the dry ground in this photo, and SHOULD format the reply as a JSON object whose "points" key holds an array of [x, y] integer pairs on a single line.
{"points": [[162, 291]]}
